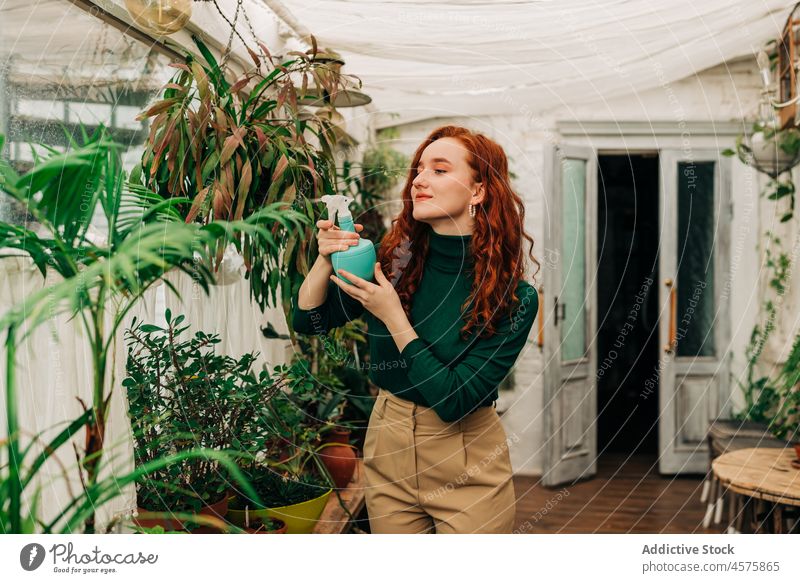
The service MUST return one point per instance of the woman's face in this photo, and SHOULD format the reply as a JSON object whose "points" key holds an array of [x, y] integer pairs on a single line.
{"points": [[444, 187]]}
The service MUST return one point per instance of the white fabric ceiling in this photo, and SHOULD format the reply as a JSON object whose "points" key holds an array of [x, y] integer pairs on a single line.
{"points": [[466, 57]]}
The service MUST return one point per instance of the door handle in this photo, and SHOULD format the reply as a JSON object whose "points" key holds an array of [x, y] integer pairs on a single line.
{"points": [[673, 314], [540, 315], [563, 308]]}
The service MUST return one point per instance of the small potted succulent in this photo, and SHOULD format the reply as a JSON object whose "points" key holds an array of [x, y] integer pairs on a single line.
{"points": [[266, 525]]}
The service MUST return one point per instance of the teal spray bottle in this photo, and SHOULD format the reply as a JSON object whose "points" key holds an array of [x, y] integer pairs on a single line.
{"points": [[358, 259]]}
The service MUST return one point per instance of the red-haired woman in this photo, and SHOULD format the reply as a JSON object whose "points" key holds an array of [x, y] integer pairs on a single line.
{"points": [[448, 314]]}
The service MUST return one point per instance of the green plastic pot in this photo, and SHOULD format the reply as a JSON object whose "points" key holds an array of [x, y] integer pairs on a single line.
{"points": [[300, 518]]}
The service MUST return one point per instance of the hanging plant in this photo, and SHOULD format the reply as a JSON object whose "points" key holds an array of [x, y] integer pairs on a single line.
{"points": [[236, 147], [770, 150], [773, 152]]}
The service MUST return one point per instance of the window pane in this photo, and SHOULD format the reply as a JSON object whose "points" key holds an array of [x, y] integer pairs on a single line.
{"points": [[695, 318], [573, 259], [60, 68]]}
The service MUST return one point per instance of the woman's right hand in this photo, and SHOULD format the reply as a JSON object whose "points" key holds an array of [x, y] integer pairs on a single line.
{"points": [[331, 238]]}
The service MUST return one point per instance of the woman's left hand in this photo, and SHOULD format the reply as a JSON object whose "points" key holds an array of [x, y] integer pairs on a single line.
{"points": [[380, 299]]}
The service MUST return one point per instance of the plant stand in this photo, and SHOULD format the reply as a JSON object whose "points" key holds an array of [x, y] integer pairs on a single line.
{"points": [[726, 435], [765, 489], [334, 519]]}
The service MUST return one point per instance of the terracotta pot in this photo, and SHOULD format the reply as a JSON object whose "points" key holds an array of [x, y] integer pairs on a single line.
{"points": [[338, 436], [216, 510], [256, 527], [339, 457], [167, 522]]}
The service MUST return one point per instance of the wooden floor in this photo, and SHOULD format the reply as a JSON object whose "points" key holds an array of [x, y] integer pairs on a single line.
{"points": [[626, 496]]}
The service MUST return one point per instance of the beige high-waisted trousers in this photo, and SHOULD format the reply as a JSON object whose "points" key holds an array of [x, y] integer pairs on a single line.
{"points": [[423, 475]]}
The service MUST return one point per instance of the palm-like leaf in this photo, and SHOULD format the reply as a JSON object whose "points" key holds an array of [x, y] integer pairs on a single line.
{"points": [[146, 238]]}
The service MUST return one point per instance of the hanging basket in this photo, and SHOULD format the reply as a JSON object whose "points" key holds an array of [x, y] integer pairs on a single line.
{"points": [[771, 152]]}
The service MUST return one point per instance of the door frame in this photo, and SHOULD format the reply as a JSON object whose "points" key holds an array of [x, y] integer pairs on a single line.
{"points": [[677, 455], [564, 462], [634, 137]]}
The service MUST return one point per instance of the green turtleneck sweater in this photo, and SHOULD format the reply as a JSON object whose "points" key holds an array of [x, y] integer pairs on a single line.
{"points": [[438, 369]]}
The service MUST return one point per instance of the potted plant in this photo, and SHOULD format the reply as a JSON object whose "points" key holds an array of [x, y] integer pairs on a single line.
{"points": [[297, 500], [279, 454], [234, 147], [342, 403], [265, 525], [774, 152], [102, 279], [182, 395], [339, 455]]}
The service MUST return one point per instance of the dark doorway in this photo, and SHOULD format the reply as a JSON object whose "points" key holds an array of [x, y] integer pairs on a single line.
{"points": [[627, 299]]}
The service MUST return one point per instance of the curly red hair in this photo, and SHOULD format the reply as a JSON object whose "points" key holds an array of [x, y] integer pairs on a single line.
{"points": [[496, 242]]}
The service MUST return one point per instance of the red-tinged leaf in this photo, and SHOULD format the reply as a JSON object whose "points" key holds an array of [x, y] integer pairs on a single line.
{"points": [[304, 88], [313, 45], [176, 172], [290, 193], [221, 119], [265, 49], [315, 177], [292, 96], [155, 126], [254, 56], [220, 253], [165, 138], [198, 168], [231, 143], [222, 202], [262, 138], [243, 190], [147, 155], [280, 167], [157, 108], [181, 66], [197, 204], [201, 79], [203, 121], [178, 86], [240, 84], [171, 155], [191, 117], [281, 97]]}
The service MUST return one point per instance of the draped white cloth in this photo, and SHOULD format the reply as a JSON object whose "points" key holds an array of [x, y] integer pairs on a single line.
{"points": [[447, 58]]}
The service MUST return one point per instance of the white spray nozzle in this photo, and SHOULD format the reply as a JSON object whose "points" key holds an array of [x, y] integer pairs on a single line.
{"points": [[338, 205]]}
